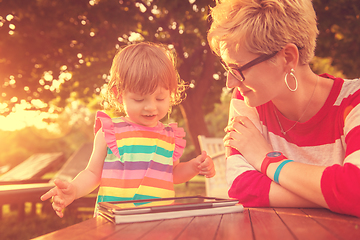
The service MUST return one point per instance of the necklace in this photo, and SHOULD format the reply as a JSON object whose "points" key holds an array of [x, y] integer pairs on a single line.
{"points": [[307, 106]]}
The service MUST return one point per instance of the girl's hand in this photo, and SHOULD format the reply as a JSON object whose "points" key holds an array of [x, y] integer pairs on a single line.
{"points": [[205, 165], [242, 135], [62, 195]]}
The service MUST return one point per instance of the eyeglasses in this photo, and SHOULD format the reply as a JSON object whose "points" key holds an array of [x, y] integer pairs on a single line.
{"points": [[237, 72]]}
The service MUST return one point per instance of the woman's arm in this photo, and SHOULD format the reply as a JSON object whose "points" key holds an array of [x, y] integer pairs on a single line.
{"points": [[303, 181], [298, 181], [299, 186], [254, 189]]}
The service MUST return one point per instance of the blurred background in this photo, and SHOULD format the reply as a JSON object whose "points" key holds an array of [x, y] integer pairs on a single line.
{"points": [[55, 58]]}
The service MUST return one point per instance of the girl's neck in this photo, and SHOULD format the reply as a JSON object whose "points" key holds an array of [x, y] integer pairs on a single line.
{"points": [[127, 119]]}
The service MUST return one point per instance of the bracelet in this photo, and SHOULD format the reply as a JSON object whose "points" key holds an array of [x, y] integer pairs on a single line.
{"points": [[278, 170]]}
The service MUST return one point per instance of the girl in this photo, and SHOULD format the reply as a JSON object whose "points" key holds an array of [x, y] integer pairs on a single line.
{"points": [[136, 156]]}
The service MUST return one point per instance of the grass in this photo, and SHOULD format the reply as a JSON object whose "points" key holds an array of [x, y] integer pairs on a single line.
{"points": [[45, 222]]}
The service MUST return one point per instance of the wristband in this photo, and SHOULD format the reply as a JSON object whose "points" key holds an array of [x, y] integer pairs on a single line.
{"points": [[278, 170], [271, 157]]}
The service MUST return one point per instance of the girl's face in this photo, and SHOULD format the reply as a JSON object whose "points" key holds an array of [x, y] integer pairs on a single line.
{"points": [[263, 82], [146, 109]]}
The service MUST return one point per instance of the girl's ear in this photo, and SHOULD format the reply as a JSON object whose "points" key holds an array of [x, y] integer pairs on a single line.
{"points": [[119, 98], [291, 53], [116, 93]]}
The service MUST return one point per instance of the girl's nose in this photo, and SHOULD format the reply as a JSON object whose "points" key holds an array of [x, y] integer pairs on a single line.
{"points": [[150, 105]]}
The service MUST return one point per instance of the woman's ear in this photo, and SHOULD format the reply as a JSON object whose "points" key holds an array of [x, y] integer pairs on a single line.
{"points": [[291, 53]]}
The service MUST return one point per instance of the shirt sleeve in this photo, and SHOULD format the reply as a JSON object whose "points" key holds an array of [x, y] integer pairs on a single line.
{"points": [[248, 185], [180, 142], [104, 122], [251, 188], [340, 186]]}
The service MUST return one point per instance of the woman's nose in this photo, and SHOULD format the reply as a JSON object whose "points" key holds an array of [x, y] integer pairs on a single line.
{"points": [[231, 81]]}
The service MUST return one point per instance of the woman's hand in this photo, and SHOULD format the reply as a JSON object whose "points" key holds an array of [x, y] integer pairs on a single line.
{"points": [[242, 135]]}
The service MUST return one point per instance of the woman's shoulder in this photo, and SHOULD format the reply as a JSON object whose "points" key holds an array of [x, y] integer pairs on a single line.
{"points": [[349, 91]]}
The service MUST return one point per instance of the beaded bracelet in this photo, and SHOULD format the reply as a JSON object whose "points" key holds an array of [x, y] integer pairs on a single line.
{"points": [[278, 170]]}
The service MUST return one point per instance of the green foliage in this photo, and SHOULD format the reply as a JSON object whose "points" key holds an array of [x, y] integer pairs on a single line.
{"points": [[58, 51], [48, 36], [217, 119], [339, 26], [323, 65]]}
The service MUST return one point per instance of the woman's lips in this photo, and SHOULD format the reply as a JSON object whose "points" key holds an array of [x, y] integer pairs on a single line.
{"points": [[244, 92]]}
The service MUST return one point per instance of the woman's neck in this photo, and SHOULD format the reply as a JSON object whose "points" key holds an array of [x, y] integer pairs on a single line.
{"points": [[308, 99]]}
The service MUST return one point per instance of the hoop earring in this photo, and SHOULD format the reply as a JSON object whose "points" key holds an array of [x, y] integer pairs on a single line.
{"points": [[292, 71]]}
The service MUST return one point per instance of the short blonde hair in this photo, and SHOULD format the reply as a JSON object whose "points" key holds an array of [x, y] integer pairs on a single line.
{"points": [[141, 68], [264, 26]]}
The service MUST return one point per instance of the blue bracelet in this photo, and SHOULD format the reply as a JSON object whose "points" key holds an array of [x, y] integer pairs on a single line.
{"points": [[278, 170]]}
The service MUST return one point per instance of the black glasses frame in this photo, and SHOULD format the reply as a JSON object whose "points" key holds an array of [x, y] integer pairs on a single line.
{"points": [[257, 60]]}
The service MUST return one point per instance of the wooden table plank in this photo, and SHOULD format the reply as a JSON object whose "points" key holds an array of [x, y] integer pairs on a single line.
{"points": [[342, 226], [169, 229], [252, 224], [134, 230], [201, 227], [235, 226], [267, 225], [102, 232], [302, 226], [77, 230]]}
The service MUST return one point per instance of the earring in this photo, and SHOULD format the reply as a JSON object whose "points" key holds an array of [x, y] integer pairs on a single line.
{"points": [[292, 71], [169, 112]]}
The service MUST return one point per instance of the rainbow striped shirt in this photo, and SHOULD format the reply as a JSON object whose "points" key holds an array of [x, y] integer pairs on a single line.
{"points": [[139, 161]]}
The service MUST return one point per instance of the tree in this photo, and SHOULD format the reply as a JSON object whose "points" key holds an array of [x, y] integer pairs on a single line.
{"points": [[60, 50], [339, 26]]}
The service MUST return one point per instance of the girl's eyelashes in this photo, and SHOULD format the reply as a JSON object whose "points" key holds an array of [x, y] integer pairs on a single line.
{"points": [[160, 99], [138, 100]]}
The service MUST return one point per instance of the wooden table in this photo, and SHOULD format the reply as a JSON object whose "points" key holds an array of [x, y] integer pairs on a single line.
{"points": [[253, 223]]}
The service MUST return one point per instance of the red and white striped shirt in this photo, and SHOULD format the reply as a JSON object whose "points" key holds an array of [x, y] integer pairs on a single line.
{"points": [[330, 138]]}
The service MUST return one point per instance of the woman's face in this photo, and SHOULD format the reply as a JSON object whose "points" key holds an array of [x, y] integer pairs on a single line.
{"points": [[263, 81]]}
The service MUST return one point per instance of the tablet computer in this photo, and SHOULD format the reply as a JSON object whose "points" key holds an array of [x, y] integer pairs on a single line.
{"points": [[164, 205]]}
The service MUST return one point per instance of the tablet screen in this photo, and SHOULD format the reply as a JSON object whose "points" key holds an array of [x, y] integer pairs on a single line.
{"points": [[165, 204]]}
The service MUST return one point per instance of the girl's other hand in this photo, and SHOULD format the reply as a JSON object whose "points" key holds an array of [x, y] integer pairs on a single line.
{"points": [[205, 165]]}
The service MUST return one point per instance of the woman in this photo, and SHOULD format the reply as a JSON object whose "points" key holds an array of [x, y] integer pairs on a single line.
{"points": [[293, 136]]}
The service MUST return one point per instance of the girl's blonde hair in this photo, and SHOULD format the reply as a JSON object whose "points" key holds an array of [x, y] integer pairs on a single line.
{"points": [[264, 26], [141, 68]]}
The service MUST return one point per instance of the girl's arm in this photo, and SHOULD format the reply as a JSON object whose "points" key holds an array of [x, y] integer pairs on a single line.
{"points": [[86, 181], [184, 171]]}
